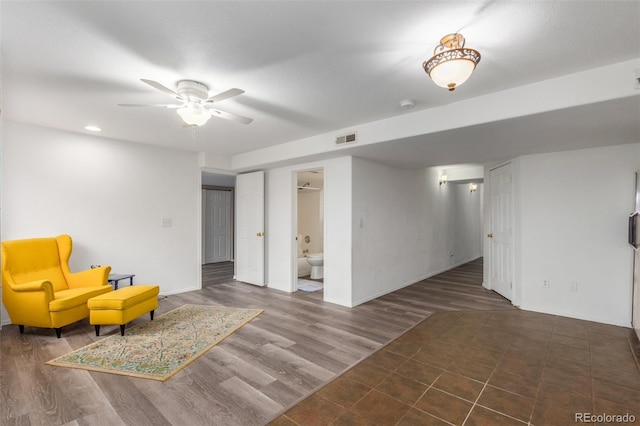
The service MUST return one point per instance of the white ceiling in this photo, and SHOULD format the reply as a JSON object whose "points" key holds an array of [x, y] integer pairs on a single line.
{"points": [[310, 67]]}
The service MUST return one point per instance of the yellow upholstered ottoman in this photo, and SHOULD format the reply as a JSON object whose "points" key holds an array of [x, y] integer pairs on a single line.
{"points": [[123, 305]]}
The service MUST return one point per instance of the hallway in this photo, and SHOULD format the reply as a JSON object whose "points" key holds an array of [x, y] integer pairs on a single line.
{"points": [[481, 367]]}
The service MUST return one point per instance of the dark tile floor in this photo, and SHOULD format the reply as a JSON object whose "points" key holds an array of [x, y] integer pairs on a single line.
{"points": [[485, 368]]}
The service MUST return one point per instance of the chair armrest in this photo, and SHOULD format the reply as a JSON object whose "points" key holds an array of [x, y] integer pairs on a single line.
{"points": [[30, 289], [38, 285], [89, 278]]}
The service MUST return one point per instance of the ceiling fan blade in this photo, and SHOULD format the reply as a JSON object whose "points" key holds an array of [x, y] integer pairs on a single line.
{"points": [[225, 95], [229, 116], [161, 88], [152, 105]]}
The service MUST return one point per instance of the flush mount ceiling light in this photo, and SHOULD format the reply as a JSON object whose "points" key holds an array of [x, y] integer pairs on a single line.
{"points": [[451, 63], [93, 128]]}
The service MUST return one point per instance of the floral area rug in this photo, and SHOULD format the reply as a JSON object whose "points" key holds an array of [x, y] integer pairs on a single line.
{"points": [[160, 348]]}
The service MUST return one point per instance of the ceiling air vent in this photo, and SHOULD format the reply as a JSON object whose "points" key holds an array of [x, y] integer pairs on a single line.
{"points": [[350, 138]]}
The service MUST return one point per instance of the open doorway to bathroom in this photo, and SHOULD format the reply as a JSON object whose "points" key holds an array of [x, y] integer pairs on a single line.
{"points": [[310, 230]]}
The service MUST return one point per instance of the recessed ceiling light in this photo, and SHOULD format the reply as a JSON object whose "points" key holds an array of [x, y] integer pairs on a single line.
{"points": [[93, 128]]}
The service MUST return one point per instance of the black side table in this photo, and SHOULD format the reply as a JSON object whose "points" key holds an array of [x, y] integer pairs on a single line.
{"points": [[114, 278]]}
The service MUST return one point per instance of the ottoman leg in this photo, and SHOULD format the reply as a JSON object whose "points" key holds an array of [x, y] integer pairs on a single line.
{"points": [[21, 327], [122, 329], [97, 329], [58, 332], [151, 313]]}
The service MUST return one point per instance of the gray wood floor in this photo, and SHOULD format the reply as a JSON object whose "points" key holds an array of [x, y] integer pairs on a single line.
{"points": [[297, 345], [216, 273]]}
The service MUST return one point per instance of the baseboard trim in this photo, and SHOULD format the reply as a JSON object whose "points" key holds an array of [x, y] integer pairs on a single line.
{"points": [[574, 316], [181, 290], [413, 281]]}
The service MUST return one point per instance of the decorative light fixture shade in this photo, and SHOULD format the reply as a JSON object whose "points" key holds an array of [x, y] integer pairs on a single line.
{"points": [[451, 63], [194, 114], [473, 187], [442, 179]]}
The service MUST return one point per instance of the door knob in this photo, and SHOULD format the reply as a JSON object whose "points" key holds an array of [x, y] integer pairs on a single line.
{"points": [[260, 234], [490, 235]]}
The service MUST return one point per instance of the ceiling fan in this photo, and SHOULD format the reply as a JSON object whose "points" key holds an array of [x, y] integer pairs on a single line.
{"points": [[196, 106]]}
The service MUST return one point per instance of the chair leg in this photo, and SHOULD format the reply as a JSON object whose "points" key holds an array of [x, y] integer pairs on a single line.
{"points": [[97, 326], [21, 328], [58, 332], [151, 313], [122, 329]]}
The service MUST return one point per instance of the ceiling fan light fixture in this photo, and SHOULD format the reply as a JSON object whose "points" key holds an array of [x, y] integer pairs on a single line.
{"points": [[451, 63], [194, 102], [194, 114]]}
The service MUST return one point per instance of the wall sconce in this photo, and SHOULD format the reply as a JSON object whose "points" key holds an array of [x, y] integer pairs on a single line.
{"points": [[442, 179], [473, 187]]}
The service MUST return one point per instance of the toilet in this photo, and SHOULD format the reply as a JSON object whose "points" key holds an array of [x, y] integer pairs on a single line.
{"points": [[316, 260]]}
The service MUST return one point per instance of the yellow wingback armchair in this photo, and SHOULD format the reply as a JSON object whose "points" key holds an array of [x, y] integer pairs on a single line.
{"points": [[39, 289]]}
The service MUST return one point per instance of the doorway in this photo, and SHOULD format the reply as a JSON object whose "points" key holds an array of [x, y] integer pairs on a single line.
{"points": [[217, 224], [309, 261]]}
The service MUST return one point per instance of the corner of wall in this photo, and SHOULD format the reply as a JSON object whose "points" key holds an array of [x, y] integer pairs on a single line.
{"points": [[518, 286]]}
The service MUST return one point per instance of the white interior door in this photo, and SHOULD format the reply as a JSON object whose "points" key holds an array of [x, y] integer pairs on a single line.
{"points": [[250, 228], [501, 268], [218, 226]]}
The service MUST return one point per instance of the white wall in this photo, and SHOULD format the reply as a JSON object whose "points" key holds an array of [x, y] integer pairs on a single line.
{"points": [[337, 231], [573, 208], [406, 225], [110, 196], [280, 228]]}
